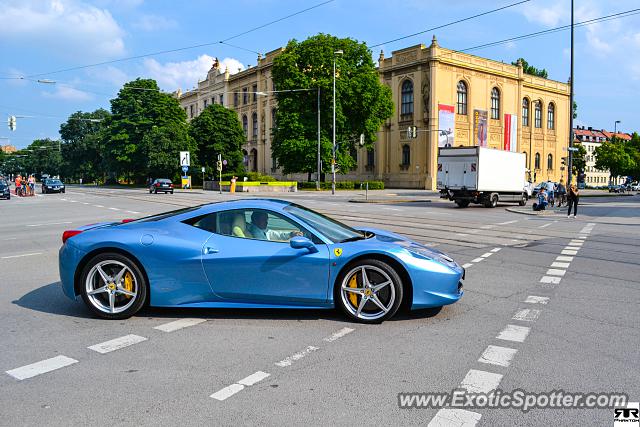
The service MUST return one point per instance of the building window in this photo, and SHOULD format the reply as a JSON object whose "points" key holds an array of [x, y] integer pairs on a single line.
{"points": [[551, 116], [406, 105], [406, 155], [537, 161], [525, 157], [370, 159], [254, 89], [462, 98], [245, 125], [245, 96], [525, 112], [495, 104], [213, 100], [235, 99], [191, 110], [222, 99], [550, 161], [205, 103], [273, 118], [538, 114], [253, 161], [254, 126]]}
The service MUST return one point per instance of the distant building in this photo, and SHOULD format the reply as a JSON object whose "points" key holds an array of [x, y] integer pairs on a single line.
{"points": [[592, 138], [8, 149]]}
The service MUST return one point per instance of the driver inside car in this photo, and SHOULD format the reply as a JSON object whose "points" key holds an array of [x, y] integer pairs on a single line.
{"points": [[259, 229]]}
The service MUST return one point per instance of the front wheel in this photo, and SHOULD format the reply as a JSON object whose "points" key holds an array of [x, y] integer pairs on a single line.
{"points": [[523, 200], [369, 291], [492, 201], [462, 203], [112, 286]]}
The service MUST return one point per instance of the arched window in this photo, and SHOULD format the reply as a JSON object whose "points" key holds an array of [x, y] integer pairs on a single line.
{"points": [[406, 105], [550, 161], [245, 158], [525, 112], [253, 161], [538, 114], [525, 157], [245, 125], [495, 104], [462, 98], [537, 161], [370, 159], [406, 155], [551, 116], [254, 126]]}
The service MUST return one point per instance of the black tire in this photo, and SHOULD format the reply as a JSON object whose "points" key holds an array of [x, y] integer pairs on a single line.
{"points": [[523, 201], [462, 203], [171, 191], [492, 201], [63, 191], [155, 191], [140, 281], [394, 290], [150, 191]]}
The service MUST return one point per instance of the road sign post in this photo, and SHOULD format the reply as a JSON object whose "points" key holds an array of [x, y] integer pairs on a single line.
{"points": [[219, 165]]}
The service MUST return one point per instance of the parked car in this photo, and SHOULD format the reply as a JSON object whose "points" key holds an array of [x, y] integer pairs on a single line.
{"points": [[52, 185], [5, 192], [161, 184], [635, 187], [617, 188]]}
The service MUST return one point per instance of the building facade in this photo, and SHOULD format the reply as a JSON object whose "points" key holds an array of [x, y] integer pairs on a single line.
{"points": [[489, 103], [8, 149], [591, 139]]}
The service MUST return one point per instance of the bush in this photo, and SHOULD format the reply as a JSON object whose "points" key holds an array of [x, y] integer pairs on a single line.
{"points": [[251, 176], [343, 185]]}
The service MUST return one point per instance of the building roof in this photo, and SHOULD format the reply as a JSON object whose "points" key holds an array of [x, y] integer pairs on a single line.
{"points": [[589, 131], [621, 135]]}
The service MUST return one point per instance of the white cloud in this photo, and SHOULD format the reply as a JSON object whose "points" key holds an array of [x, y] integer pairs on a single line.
{"points": [[67, 93], [154, 23], [68, 26], [186, 74], [109, 74], [550, 15]]}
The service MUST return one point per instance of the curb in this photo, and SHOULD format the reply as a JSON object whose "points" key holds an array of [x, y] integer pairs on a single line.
{"points": [[382, 201]]}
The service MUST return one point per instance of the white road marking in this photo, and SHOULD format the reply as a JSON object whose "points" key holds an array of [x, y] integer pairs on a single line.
{"points": [[556, 272], [48, 223], [9, 238], [20, 256], [507, 222], [576, 242], [117, 344], [227, 392], [486, 255], [179, 324], [560, 264], [297, 356], [477, 260], [455, 418], [98, 206], [253, 378], [467, 265], [582, 237], [550, 279], [514, 333], [545, 225], [532, 299], [564, 258], [342, 332], [461, 234], [114, 209], [480, 381], [133, 212], [487, 227], [494, 250], [73, 201], [527, 315], [85, 203], [568, 252], [44, 366], [496, 355]]}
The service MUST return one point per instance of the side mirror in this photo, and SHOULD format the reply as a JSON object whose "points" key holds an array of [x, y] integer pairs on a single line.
{"points": [[299, 242]]}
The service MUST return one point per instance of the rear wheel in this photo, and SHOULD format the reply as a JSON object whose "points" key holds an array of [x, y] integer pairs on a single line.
{"points": [[523, 200], [113, 286], [492, 201], [462, 203], [369, 291]]}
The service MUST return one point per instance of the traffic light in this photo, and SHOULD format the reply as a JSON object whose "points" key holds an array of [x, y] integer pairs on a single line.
{"points": [[563, 161], [219, 165], [412, 132], [12, 122]]}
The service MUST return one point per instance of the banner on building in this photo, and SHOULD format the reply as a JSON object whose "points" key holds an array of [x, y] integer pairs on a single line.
{"points": [[446, 125], [480, 127], [511, 132]]}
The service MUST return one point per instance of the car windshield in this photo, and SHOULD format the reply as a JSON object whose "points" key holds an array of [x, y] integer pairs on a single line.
{"points": [[164, 181], [54, 182], [330, 228], [167, 214]]}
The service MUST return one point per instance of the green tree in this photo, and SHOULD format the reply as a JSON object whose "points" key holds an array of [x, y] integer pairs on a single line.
{"points": [[217, 130], [530, 69], [362, 102], [578, 159], [613, 155], [163, 145], [43, 157], [138, 107]]}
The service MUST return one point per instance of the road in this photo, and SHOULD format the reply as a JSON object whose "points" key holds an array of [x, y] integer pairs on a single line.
{"points": [[550, 303]]}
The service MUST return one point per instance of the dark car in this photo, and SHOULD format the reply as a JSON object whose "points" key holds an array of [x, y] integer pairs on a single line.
{"points": [[5, 192], [52, 185], [617, 188], [161, 185]]}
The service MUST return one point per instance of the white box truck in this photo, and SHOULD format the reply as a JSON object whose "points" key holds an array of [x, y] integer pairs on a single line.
{"points": [[481, 175]]}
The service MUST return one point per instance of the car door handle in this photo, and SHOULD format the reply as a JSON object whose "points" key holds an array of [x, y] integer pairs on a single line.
{"points": [[209, 250]]}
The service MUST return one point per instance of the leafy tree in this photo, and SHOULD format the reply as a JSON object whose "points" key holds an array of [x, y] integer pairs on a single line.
{"points": [[138, 107], [163, 146], [43, 157], [530, 69], [217, 130], [613, 155], [362, 102], [578, 159]]}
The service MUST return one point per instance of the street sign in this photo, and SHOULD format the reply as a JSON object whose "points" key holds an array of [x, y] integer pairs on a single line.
{"points": [[224, 162], [185, 158], [203, 169], [572, 149], [185, 169]]}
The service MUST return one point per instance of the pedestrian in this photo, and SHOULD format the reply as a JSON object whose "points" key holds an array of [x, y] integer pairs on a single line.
{"points": [[561, 191], [572, 200]]}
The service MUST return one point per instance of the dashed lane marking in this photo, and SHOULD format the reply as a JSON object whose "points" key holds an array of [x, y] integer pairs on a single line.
{"points": [[22, 255], [576, 243], [297, 356], [550, 279], [253, 378], [337, 335], [527, 315], [556, 272], [455, 418], [133, 212], [477, 260], [114, 209], [467, 265], [545, 225], [229, 391], [179, 324], [560, 264], [42, 367], [98, 206], [507, 222], [494, 250], [486, 255], [117, 344], [48, 223], [568, 252], [496, 355], [480, 381], [514, 333], [532, 299], [564, 258]]}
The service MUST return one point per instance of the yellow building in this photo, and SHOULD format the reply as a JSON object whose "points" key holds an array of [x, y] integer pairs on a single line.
{"points": [[424, 81]]}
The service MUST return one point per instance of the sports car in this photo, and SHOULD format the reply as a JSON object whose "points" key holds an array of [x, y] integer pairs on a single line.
{"points": [[254, 253]]}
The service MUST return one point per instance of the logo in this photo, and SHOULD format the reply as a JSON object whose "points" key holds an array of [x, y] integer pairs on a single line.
{"points": [[337, 251], [629, 416]]}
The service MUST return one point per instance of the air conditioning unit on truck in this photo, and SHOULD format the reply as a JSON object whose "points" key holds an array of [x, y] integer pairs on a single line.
{"points": [[481, 175]]}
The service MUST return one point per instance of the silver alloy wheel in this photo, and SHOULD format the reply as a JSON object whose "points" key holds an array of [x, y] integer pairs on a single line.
{"points": [[105, 287], [375, 297]]}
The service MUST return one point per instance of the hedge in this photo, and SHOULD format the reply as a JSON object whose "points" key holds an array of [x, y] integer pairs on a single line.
{"points": [[252, 176], [343, 185]]}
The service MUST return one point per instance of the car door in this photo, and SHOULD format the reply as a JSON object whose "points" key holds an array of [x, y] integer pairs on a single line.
{"points": [[254, 270]]}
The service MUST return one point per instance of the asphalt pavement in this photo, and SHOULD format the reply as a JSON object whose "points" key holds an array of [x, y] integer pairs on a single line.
{"points": [[550, 303]]}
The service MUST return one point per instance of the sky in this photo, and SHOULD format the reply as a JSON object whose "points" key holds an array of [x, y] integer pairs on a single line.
{"points": [[39, 37]]}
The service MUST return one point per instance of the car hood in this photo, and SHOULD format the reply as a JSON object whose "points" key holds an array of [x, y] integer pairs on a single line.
{"points": [[389, 237]]}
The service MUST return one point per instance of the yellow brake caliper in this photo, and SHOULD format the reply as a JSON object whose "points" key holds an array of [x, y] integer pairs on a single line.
{"points": [[128, 283], [353, 283]]}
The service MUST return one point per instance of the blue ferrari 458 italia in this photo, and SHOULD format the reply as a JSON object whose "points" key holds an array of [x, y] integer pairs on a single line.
{"points": [[252, 254]]}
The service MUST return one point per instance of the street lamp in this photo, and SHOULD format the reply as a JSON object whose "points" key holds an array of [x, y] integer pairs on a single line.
{"points": [[333, 158], [615, 127]]}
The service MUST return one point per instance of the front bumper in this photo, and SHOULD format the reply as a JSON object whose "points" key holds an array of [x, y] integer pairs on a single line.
{"points": [[68, 259]]}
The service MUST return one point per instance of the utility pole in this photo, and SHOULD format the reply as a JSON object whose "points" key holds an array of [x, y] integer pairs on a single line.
{"points": [[318, 160], [333, 157], [570, 162]]}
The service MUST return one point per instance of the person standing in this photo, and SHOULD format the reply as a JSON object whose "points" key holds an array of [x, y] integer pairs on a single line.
{"points": [[572, 200]]}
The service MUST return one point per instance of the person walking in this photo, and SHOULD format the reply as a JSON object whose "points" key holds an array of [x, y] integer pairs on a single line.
{"points": [[572, 200]]}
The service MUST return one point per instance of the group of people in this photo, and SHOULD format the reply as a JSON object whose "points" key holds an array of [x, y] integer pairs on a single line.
{"points": [[27, 185], [548, 193]]}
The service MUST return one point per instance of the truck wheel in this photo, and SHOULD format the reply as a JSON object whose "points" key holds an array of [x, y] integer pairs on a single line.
{"points": [[523, 201], [492, 201], [462, 203]]}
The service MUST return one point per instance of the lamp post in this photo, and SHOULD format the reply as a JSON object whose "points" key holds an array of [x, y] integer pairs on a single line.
{"points": [[572, 81], [615, 127], [333, 157], [318, 159]]}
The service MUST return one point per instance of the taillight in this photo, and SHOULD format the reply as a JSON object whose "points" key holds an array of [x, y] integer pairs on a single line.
{"points": [[171, 185], [68, 234], [126, 220], [157, 184]]}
